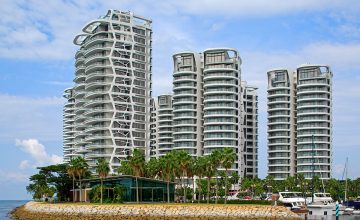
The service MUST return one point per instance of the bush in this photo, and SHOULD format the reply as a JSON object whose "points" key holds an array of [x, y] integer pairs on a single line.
{"points": [[118, 194], [95, 194]]}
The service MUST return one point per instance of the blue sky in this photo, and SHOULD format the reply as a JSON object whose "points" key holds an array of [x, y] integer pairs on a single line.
{"points": [[37, 56]]}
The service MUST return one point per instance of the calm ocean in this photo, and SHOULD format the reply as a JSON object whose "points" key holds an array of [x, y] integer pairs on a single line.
{"points": [[7, 205]]}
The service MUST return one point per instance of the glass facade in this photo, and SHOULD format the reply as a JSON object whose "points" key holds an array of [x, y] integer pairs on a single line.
{"points": [[150, 190]]}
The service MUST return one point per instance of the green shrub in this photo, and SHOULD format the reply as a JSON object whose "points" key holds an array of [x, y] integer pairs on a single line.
{"points": [[119, 191], [95, 194]]}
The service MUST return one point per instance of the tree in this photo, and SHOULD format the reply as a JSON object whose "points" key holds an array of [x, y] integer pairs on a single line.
{"points": [[48, 180], [184, 160], [228, 159], [81, 169], [190, 174], [168, 169], [39, 187], [102, 169], [302, 182], [137, 164], [70, 168], [216, 157], [290, 183], [124, 168], [152, 168], [209, 171], [199, 168]]}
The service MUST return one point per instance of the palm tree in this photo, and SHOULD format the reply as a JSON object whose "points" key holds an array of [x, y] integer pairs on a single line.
{"points": [[184, 160], [217, 161], [209, 171], [152, 168], [102, 169], [190, 174], [168, 169], [81, 168], [124, 168], [199, 169], [70, 168], [137, 164], [228, 159]]}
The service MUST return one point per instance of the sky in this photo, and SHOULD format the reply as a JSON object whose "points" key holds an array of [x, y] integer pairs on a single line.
{"points": [[37, 64]]}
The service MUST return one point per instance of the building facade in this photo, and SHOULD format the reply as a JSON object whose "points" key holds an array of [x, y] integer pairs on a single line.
{"points": [[162, 126], [187, 103], [112, 88], [223, 121], [250, 129], [314, 120], [299, 122], [211, 109]]}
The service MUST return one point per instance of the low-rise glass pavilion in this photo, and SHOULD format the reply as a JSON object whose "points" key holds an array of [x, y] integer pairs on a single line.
{"points": [[150, 190]]}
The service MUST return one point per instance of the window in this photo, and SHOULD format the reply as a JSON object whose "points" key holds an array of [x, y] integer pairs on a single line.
{"points": [[279, 76]]}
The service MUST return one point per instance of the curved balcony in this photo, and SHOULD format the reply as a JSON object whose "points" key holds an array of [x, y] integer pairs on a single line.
{"points": [[97, 49], [180, 79], [79, 61], [219, 76], [221, 84], [96, 128], [178, 95], [99, 146], [95, 93], [97, 101], [93, 75], [220, 107], [221, 91], [219, 69], [79, 102], [97, 155], [96, 120], [99, 37]]}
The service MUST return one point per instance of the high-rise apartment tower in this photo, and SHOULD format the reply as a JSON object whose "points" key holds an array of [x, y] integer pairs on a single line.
{"points": [[300, 122], [110, 101]]}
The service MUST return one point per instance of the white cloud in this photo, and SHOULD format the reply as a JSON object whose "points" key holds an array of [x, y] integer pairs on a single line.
{"points": [[258, 7], [10, 176], [28, 28], [34, 117], [24, 164], [38, 152]]}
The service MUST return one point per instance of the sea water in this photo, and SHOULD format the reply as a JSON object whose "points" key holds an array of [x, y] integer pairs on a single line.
{"points": [[7, 205]]}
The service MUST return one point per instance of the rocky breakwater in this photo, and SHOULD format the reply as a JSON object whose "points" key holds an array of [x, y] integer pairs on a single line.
{"points": [[42, 211]]}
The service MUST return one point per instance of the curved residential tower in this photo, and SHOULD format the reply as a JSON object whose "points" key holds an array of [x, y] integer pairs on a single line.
{"points": [[300, 122], [281, 123], [314, 122], [112, 87], [69, 126], [187, 103], [223, 103]]}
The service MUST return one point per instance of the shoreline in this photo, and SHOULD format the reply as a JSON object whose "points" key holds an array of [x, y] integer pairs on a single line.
{"points": [[45, 211]]}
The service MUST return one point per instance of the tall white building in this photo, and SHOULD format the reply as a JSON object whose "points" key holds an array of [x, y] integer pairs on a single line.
{"points": [[211, 109], [314, 120], [299, 108], [281, 123], [161, 126], [223, 121], [250, 129], [187, 103], [111, 96], [69, 126]]}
